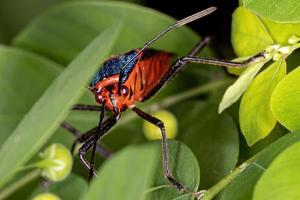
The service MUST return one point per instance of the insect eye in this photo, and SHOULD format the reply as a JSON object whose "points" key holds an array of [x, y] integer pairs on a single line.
{"points": [[124, 90], [99, 98]]}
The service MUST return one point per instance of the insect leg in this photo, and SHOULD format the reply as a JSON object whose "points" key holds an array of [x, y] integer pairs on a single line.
{"points": [[165, 156], [176, 67], [88, 143], [82, 151], [81, 137], [219, 62], [86, 107], [178, 23], [96, 138], [199, 46]]}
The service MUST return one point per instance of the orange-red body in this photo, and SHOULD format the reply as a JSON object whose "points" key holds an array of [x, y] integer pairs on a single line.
{"points": [[147, 71]]}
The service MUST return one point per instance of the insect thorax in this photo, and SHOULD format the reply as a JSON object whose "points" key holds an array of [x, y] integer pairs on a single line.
{"points": [[113, 66]]}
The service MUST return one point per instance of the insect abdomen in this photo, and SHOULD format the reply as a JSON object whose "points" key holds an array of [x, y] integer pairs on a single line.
{"points": [[147, 72]]}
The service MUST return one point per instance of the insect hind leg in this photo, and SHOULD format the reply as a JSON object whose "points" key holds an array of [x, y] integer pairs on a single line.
{"points": [[180, 63], [177, 66], [165, 156], [220, 62]]}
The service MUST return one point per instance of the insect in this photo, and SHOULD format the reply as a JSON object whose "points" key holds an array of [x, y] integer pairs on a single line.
{"points": [[136, 76]]}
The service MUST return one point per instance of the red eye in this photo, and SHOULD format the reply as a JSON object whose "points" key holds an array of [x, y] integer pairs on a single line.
{"points": [[124, 90], [99, 99]]}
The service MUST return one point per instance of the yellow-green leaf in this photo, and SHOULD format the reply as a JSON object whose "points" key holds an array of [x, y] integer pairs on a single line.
{"points": [[241, 188], [277, 10], [256, 118], [281, 32], [282, 178], [235, 91], [248, 34], [285, 101]]}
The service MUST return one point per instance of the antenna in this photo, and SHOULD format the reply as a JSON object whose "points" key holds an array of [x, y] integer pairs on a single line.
{"points": [[178, 23]]}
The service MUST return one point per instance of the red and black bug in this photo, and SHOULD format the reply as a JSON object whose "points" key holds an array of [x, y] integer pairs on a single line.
{"points": [[136, 76]]}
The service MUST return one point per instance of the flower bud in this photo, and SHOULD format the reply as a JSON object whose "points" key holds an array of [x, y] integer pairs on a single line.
{"points": [[46, 196], [153, 132], [272, 48], [294, 39], [56, 163], [277, 56], [285, 50]]}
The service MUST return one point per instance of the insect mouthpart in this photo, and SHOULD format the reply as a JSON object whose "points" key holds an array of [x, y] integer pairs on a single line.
{"points": [[94, 90]]}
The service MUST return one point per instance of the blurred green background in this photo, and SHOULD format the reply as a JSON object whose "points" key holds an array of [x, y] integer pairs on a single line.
{"points": [[215, 139], [15, 14]]}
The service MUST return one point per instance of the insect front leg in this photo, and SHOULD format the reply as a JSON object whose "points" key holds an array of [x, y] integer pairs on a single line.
{"points": [[165, 156], [82, 137], [83, 150], [105, 127], [88, 139]]}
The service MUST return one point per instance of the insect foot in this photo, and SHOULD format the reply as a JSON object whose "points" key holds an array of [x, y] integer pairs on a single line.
{"points": [[199, 195]]}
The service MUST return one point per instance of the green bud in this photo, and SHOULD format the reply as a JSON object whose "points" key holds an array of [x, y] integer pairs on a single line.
{"points": [[56, 163], [46, 196], [277, 56], [272, 48], [152, 132], [285, 50], [294, 39]]}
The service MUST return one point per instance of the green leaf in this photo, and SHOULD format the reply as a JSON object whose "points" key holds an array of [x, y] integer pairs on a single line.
{"points": [[281, 32], [242, 187], [277, 10], [237, 71], [136, 173], [23, 78], [256, 118], [285, 101], [277, 132], [64, 31], [71, 188], [235, 91], [248, 34], [184, 167], [47, 113], [212, 137], [259, 33], [281, 180]]}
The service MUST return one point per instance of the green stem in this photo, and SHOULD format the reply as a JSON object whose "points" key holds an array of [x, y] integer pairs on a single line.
{"points": [[214, 190], [6, 192], [171, 100]]}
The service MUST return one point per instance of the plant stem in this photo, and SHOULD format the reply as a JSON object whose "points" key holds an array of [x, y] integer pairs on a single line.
{"points": [[6, 192], [214, 190], [192, 93], [171, 100]]}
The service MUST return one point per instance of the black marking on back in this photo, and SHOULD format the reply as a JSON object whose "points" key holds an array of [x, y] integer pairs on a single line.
{"points": [[148, 53], [130, 93], [135, 79], [141, 75]]}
